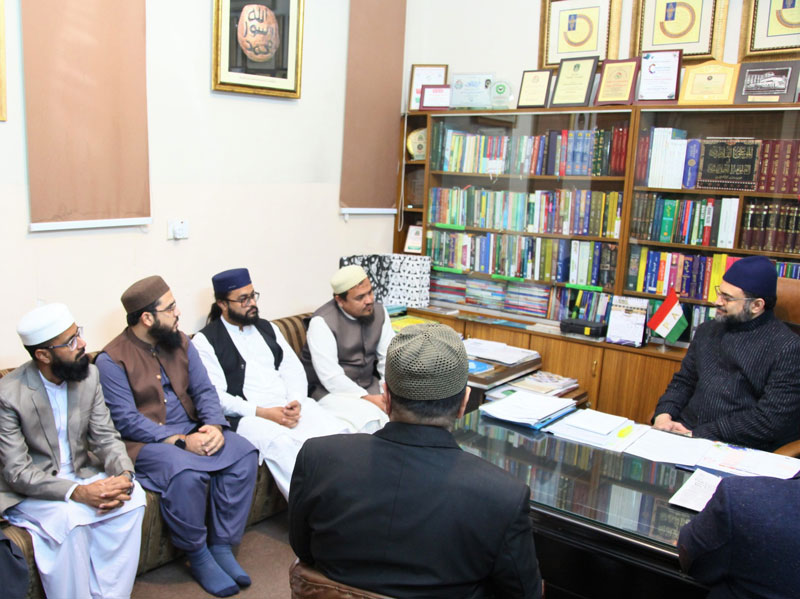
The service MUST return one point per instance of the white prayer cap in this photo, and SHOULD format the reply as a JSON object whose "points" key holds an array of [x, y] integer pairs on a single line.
{"points": [[347, 277], [44, 323]]}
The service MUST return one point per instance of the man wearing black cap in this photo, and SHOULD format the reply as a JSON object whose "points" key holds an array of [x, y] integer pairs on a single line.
{"points": [[405, 512], [169, 416], [740, 379], [260, 381]]}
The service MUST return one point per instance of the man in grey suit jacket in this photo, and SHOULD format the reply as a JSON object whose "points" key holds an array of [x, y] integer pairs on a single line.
{"points": [[66, 476]]}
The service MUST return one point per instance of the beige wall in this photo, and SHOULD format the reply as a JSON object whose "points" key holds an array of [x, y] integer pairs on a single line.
{"points": [[257, 178]]}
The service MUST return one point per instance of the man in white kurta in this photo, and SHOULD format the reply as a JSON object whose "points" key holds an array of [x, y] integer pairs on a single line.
{"points": [[345, 352], [66, 476], [260, 381]]}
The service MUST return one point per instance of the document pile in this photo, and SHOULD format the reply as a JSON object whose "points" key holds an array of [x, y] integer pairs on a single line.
{"points": [[498, 352], [598, 429], [547, 383], [529, 409]]}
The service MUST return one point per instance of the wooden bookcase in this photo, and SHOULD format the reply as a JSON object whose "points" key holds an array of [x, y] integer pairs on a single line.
{"points": [[620, 380]]}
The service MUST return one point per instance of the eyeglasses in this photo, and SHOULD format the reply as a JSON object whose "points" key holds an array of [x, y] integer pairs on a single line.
{"points": [[726, 299], [245, 299], [72, 342], [171, 308]]}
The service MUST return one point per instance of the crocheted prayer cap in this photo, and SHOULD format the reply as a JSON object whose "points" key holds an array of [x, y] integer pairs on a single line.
{"points": [[44, 323], [228, 280], [347, 277], [754, 274], [426, 362], [143, 293]]}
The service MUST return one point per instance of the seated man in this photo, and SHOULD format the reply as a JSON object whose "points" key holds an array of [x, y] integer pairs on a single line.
{"points": [[66, 477], [345, 352], [169, 415], [404, 512], [740, 379], [746, 541], [259, 379]]}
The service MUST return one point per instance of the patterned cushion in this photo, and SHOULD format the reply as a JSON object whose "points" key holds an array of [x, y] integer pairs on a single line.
{"points": [[294, 329]]}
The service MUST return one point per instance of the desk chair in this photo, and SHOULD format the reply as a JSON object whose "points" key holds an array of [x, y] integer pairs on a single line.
{"points": [[309, 583], [788, 310]]}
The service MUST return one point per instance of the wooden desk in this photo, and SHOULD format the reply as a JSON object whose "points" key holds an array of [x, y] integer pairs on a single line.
{"points": [[602, 523]]}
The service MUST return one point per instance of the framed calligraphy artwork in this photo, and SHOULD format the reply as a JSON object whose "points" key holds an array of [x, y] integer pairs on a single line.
{"points": [[770, 29], [696, 27], [578, 29], [258, 47]]}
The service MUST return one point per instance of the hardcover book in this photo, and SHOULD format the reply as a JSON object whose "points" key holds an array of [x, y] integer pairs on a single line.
{"points": [[728, 164]]}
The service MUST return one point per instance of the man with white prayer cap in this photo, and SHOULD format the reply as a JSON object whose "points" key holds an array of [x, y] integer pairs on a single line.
{"points": [[345, 352], [66, 476]]}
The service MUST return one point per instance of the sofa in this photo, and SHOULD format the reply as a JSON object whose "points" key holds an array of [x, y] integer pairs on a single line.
{"points": [[156, 548]]}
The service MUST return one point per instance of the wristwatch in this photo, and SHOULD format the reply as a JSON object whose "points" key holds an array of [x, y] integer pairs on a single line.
{"points": [[180, 444]]}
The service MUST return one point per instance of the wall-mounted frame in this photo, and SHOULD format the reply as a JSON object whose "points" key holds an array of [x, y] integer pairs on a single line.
{"points": [[767, 82], [574, 82], [696, 27], [578, 29], [258, 49], [770, 29], [534, 89], [424, 74], [617, 82], [3, 115], [658, 82]]}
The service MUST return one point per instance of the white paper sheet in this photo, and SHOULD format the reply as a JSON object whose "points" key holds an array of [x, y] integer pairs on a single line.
{"points": [[525, 407], [497, 352], [748, 462], [596, 422], [696, 492], [616, 440], [660, 446]]}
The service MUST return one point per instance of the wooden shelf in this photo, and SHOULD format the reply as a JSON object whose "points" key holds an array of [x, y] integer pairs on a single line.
{"points": [[445, 226], [719, 192], [494, 177]]}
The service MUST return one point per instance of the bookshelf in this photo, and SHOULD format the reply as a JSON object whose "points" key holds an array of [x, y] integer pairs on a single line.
{"points": [[411, 181], [514, 283]]}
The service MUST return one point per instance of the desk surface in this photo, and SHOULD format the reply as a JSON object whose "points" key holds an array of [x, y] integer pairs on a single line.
{"points": [[623, 495]]}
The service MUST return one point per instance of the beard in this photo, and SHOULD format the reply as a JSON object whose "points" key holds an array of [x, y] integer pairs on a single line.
{"points": [[165, 337], [731, 319], [74, 370], [248, 318], [366, 318]]}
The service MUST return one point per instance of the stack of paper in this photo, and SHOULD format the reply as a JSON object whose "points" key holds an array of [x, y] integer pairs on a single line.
{"points": [[660, 446], [598, 429], [498, 352], [529, 409], [547, 383]]}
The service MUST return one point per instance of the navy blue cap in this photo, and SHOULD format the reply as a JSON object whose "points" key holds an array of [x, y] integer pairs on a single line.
{"points": [[755, 274], [227, 280]]}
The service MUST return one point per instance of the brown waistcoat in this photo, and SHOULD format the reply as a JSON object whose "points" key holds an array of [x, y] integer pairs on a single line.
{"points": [[142, 364]]}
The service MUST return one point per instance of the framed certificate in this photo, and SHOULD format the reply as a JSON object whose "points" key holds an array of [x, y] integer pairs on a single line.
{"points": [[424, 74], [617, 82], [574, 82], [770, 29], [697, 27], [712, 82], [578, 29], [767, 82], [435, 97], [471, 90], [659, 80], [534, 89]]}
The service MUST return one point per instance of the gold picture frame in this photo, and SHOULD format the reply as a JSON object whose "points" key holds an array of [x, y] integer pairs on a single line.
{"points": [[3, 84], [713, 82], [258, 49], [696, 27], [594, 22], [766, 35]]}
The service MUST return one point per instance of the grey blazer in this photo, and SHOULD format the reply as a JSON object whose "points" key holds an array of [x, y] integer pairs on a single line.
{"points": [[29, 452]]}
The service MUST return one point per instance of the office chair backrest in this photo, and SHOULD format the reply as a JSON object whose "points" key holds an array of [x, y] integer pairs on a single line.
{"points": [[307, 582]]}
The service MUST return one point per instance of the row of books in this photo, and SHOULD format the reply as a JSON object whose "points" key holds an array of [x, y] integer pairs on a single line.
{"points": [[511, 296], [563, 152], [702, 221], [771, 226], [790, 270], [692, 276], [593, 306], [539, 259], [665, 158], [560, 211]]}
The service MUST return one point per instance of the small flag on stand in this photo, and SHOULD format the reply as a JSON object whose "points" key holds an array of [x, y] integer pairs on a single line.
{"points": [[669, 321]]}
